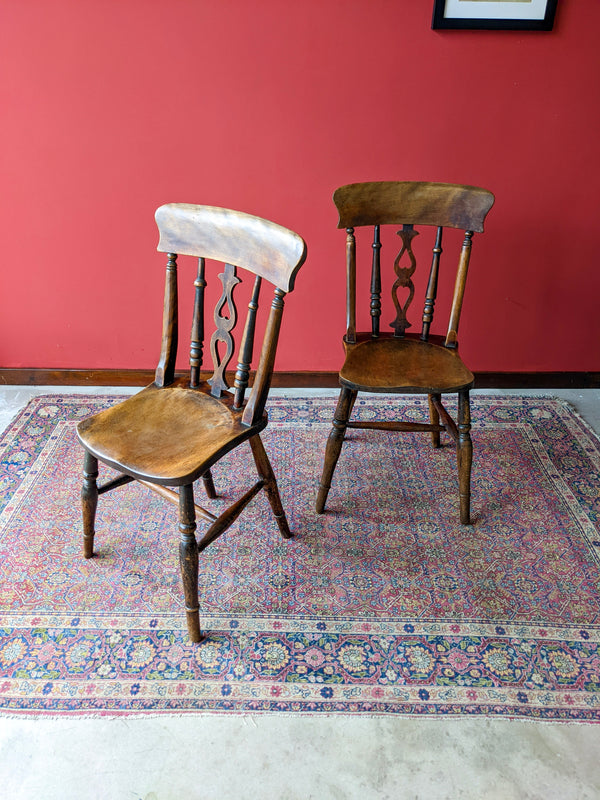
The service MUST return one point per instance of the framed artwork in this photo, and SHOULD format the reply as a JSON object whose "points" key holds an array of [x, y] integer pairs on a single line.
{"points": [[502, 15]]}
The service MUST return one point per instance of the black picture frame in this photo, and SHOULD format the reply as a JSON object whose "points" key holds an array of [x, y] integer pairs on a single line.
{"points": [[441, 22]]}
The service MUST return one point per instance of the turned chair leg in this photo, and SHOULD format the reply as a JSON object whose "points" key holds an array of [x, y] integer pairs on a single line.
{"points": [[89, 502], [188, 560], [209, 485], [334, 443], [265, 471], [434, 418], [464, 456]]}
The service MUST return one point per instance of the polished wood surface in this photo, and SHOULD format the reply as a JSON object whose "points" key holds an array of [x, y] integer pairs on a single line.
{"points": [[170, 435], [407, 364], [397, 361]]}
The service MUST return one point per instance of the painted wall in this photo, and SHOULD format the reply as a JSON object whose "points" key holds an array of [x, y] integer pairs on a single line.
{"points": [[111, 108]]}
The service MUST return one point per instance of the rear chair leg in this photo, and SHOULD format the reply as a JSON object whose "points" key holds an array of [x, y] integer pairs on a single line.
{"points": [[89, 502], [465, 456], [434, 418], [209, 485], [334, 443], [265, 471], [188, 560]]}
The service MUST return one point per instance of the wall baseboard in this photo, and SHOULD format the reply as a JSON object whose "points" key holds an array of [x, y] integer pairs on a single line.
{"points": [[288, 380]]}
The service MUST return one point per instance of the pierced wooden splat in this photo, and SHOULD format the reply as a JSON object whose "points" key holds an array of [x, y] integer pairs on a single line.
{"points": [[223, 330], [401, 323], [197, 344]]}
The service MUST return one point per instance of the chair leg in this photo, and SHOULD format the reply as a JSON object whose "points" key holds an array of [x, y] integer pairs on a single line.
{"points": [[209, 485], [465, 456], [263, 466], [188, 560], [334, 443], [434, 418], [89, 502]]}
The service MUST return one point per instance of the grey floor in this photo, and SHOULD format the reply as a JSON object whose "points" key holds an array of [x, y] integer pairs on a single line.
{"points": [[221, 757]]}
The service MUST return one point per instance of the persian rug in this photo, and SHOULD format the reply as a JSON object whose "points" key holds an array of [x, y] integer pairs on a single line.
{"points": [[383, 605]]}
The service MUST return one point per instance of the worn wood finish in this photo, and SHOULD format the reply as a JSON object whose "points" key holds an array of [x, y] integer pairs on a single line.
{"points": [[408, 364], [401, 362], [169, 435], [231, 237], [413, 203]]}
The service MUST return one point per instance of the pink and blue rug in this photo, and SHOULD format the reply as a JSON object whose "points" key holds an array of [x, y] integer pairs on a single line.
{"points": [[384, 605]]}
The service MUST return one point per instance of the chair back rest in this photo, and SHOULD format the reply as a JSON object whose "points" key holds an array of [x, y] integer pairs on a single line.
{"points": [[237, 240], [409, 203]]}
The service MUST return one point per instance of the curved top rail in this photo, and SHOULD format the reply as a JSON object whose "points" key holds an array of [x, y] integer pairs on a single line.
{"points": [[413, 203], [233, 237]]}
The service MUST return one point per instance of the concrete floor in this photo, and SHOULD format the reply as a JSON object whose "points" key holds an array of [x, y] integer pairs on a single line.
{"points": [[221, 757]]}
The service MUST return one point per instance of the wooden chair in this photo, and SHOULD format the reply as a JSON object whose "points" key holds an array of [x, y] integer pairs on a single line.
{"points": [[173, 431], [401, 362]]}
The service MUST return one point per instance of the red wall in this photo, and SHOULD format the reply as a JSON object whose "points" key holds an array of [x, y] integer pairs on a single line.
{"points": [[111, 108]]}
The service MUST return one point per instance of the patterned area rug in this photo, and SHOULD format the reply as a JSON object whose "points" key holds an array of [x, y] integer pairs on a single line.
{"points": [[384, 605]]}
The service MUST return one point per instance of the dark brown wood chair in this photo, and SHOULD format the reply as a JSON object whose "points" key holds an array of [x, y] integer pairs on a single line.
{"points": [[400, 362], [172, 432]]}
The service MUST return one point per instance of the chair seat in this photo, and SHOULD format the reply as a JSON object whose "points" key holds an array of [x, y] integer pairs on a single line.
{"points": [[168, 436], [390, 364]]}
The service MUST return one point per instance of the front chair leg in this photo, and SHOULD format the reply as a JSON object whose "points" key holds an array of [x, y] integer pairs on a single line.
{"points": [[188, 560], [89, 502], [465, 456], [263, 466], [334, 443]]}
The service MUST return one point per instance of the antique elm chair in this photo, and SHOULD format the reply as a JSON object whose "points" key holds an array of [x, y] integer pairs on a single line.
{"points": [[401, 362], [172, 432]]}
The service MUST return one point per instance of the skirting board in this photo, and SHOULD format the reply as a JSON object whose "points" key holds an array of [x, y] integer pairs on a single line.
{"points": [[287, 380]]}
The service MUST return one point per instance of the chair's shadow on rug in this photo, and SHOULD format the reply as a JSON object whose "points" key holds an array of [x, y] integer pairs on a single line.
{"points": [[384, 604]]}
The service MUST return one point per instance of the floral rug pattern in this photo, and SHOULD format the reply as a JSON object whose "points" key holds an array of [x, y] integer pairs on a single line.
{"points": [[383, 605]]}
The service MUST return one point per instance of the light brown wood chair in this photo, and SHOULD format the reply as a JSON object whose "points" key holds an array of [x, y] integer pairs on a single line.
{"points": [[401, 362], [172, 432]]}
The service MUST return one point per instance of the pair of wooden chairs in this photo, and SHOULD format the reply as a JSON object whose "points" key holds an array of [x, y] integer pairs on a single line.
{"points": [[174, 431]]}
